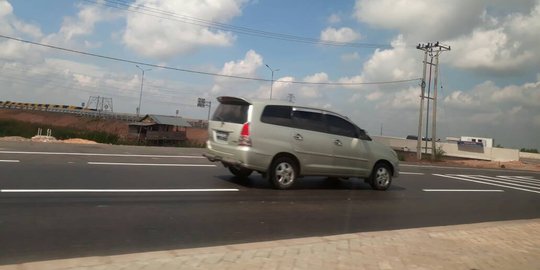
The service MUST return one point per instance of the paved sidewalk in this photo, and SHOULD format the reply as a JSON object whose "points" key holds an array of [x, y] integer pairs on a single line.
{"points": [[491, 245]]}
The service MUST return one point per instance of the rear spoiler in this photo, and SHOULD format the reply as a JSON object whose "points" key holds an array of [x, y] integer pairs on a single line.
{"points": [[233, 100]]}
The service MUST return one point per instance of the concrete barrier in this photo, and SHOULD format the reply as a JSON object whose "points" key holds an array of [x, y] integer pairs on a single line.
{"points": [[453, 149], [529, 155]]}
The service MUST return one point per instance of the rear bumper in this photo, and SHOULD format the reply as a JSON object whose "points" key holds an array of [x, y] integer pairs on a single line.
{"points": [[241, 156]]}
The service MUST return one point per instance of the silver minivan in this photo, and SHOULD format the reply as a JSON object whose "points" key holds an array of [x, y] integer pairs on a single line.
{"points": [[283, 142]]}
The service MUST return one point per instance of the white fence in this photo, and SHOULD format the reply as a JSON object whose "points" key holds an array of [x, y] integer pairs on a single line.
{"points": [[453, 149]]}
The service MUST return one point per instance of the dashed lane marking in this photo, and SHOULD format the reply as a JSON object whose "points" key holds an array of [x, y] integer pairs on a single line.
{"points": [[113, 190], [463, 190], [151, 164], [99, 154]]}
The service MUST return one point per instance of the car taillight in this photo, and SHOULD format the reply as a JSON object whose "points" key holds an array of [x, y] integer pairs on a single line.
{"points": [[244, 139]]}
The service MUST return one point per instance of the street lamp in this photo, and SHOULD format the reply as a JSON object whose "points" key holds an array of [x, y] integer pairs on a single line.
{"points": [[142, 82], [272, 84]]}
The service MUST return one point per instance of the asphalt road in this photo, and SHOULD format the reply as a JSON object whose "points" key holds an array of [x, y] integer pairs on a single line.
{"points": [[62, 201]]}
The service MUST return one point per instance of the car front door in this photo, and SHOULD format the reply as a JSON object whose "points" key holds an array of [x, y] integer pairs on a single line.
{"points": [[311, 142], [350, 154]]}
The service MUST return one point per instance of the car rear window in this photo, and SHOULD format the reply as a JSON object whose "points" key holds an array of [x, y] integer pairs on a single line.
{"points": [[277, 115], [231, 113]]}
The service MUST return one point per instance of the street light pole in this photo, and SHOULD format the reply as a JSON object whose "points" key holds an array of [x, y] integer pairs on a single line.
{"points": [[142, 83], [272, 84]]}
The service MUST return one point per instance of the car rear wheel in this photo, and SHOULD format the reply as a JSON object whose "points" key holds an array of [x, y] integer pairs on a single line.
{"points": [[283, 173], [240, 172], [381, 177]]}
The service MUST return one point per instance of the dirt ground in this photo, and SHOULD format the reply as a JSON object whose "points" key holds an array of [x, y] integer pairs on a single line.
{"points": [[67, 120], [120, 128]]}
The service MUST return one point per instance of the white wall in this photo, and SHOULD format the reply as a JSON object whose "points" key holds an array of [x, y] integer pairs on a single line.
{"points": [[452, 149], [529, 155]]}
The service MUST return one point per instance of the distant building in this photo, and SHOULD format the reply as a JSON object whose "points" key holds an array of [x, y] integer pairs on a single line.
{"points": [[487, 142], [159, 129]]}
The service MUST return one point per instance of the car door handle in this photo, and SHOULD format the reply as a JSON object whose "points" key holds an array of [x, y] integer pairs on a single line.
{"points": [[298, 137], [338, 143]]}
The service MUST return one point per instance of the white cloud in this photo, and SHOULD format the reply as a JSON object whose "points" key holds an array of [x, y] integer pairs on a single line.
{"points": [[344, 34], [421, 19], [396, 63], [510, 45], [5, 8], [377, 95], [81, 26], [246, 67], [163, 38]]}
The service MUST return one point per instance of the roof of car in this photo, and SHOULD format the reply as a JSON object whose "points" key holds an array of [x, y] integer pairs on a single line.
{"points": [[242, 100]]}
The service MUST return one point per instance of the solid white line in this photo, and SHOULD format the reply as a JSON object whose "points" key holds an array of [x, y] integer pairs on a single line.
{"points": [[151, 164], [463, 190], [111, 190], [7, 160], [466, 168], [520, 179], [412, 173], [486, 183], [97, 154]]}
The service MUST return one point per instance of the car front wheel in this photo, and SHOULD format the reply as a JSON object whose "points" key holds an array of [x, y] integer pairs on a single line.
{"points": [[381, 177]]}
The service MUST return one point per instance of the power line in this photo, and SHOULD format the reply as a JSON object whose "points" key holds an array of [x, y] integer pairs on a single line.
{"points": [[199, 72], [168, 15]]}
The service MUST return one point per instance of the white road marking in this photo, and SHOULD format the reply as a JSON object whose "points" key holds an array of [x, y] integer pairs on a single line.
{"points": [[463, 190], [499, 180], [412, 173], [98, 154], [151, 164], [113, 190], [465, 168], [485, 183], [8, 160]]}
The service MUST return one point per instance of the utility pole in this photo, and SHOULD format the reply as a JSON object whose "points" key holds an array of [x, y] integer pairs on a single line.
{"points": [[434, 50], [142, 83], [272, 82], [422, 89]]}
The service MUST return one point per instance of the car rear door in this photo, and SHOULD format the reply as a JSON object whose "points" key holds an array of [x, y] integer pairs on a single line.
{"points": [[228, 120]]}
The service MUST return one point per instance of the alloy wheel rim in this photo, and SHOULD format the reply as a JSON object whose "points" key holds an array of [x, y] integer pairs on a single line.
{"points": [[382, 177], [284, 173]]}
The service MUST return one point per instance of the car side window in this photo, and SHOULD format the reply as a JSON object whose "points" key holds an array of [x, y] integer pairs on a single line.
{"points": [[277, 115], [309, 120], [341, 127]]}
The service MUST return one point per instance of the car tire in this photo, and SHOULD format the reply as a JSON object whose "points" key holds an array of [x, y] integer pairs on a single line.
{"points": [[240, 172], [381, 177], [283, 173]]}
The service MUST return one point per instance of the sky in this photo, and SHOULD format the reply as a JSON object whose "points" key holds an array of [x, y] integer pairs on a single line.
{"points": [[329, 54]]}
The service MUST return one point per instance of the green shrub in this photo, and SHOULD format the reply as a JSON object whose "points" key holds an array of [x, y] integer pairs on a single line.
{"points": [[439, 153]]}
